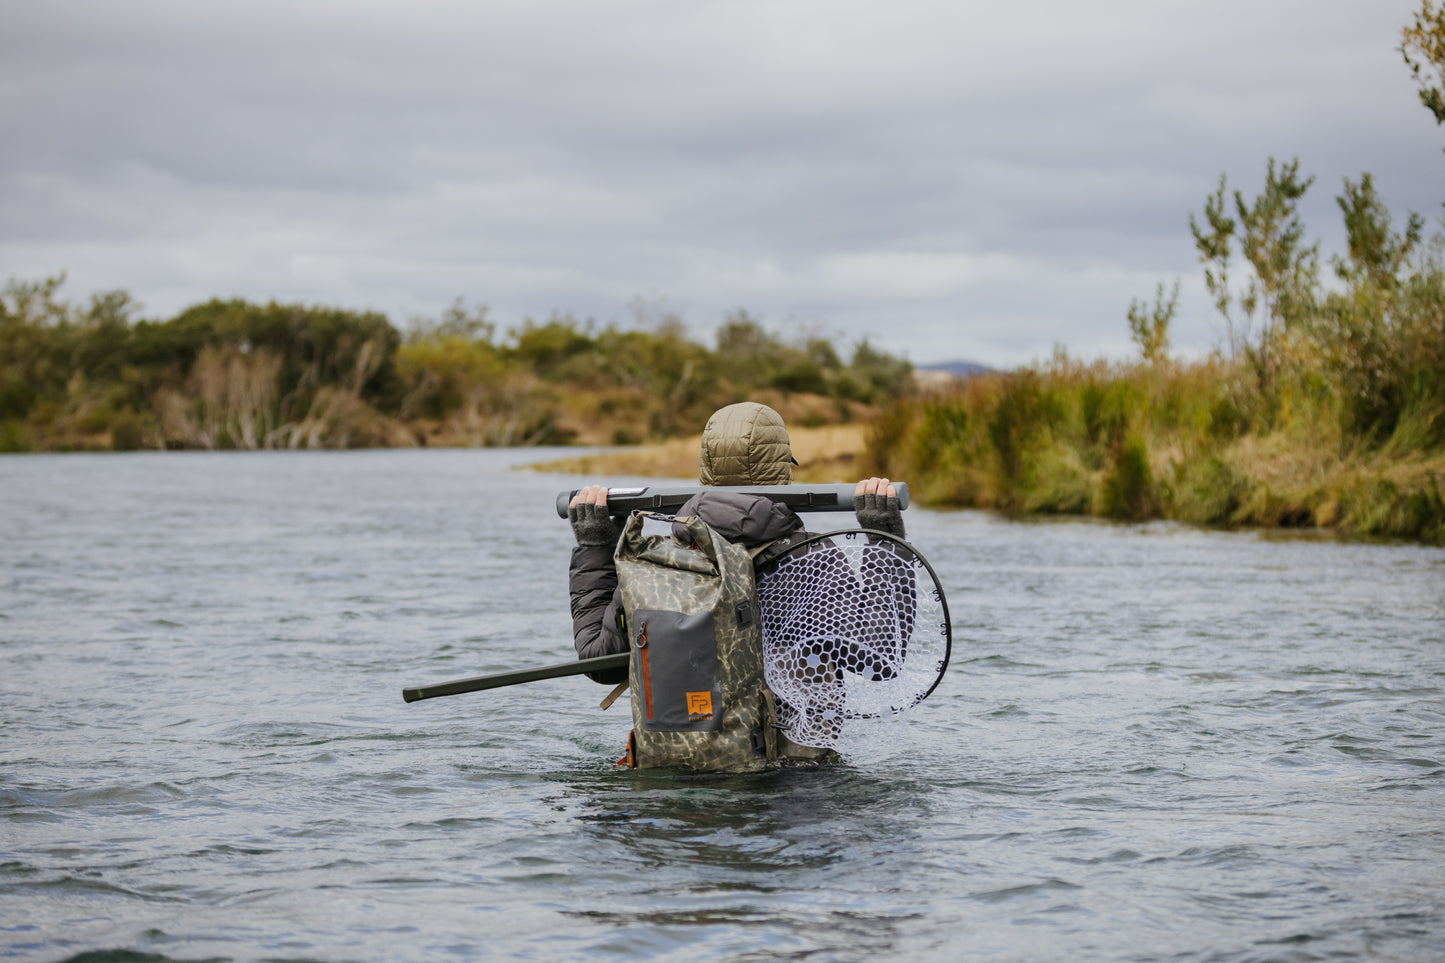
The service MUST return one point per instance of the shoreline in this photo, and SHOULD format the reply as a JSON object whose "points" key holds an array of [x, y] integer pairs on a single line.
{"points": [[827, 454]]}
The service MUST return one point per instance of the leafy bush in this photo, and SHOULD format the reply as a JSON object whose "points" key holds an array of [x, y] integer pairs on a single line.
{"points": [[233, 374]]}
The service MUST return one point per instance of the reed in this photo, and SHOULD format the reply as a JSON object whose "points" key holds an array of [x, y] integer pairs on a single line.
{"points": [[1188, 442]]}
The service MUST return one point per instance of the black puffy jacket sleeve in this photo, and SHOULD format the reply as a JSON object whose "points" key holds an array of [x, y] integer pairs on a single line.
{"points": [[596, 608]]}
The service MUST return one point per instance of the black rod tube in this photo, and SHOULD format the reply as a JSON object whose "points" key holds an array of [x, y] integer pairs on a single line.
{"points": [[800, 498], [517, 677]]}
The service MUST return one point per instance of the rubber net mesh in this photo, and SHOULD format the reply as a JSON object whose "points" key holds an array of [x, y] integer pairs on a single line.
{"points": [[855, 634]]}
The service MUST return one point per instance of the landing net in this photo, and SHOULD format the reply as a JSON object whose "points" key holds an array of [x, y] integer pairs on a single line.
{"points": [[855, 634]]}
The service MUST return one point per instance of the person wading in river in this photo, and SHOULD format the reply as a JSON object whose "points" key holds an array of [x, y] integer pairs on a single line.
{"points": [[742, 444]]}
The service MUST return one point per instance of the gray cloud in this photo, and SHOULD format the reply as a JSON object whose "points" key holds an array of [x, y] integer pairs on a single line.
{"points": [[951, 180]]}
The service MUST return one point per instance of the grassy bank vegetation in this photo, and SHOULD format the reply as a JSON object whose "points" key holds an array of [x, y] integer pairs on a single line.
{"points": [[239, 375], [1324, 407]]}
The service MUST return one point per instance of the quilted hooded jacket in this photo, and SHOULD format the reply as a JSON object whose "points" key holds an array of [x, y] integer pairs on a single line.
{"points": [[745, 444]]}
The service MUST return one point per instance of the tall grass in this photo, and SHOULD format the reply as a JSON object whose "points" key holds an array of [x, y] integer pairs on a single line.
{"points": [[1327, 410], [1192, 442]]}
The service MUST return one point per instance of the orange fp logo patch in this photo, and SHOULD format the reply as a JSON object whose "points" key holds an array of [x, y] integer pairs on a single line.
{"points": [[699, 703]]}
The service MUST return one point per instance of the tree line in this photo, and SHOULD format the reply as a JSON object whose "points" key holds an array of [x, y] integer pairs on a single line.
{"points": [[234, 374]]}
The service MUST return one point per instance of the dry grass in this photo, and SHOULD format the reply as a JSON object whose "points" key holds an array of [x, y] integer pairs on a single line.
{"points": [[825, 454]]}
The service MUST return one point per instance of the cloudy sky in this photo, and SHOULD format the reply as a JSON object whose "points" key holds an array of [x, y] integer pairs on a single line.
{"points": [[954, 180]]}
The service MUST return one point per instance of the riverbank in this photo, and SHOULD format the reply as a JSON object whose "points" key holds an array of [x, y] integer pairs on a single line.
{"points": [[1128, 442], [1195, 443], [826, 454], [240, 375]]}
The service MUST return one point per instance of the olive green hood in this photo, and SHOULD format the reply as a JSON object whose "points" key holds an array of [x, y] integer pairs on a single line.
{"points": [[745, 444]]}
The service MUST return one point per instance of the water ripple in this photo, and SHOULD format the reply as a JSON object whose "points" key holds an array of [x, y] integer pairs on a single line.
{"points": [[1154, 743]]}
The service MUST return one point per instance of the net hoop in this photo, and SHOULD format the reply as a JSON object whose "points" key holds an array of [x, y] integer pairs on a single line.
{"points": [[858, 630]]}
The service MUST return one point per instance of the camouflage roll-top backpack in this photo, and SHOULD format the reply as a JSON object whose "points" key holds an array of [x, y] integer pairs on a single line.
{"points": [[698, 696]]}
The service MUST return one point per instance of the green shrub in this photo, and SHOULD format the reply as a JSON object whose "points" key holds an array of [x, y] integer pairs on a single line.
{"points": [[14, 436], [127, 431], [1206, 491], [1128, 491], [1059, 483]]}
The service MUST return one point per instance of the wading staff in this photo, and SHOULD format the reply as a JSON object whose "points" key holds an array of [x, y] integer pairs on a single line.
{"points": [[517, 677], [800, 498]]}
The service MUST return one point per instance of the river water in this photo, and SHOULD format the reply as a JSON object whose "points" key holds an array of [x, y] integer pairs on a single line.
{"points": [[1154, 743]]}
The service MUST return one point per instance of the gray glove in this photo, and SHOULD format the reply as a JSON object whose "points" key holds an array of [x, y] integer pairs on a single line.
{"points": [[592, 525], [881, 513]]}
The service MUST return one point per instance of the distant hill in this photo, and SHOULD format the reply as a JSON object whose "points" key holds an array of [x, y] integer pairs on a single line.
{"points": [[959, 369]]}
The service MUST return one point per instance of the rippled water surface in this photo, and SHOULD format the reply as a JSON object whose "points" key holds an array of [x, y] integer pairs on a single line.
{"points": [[1154, 743]]}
